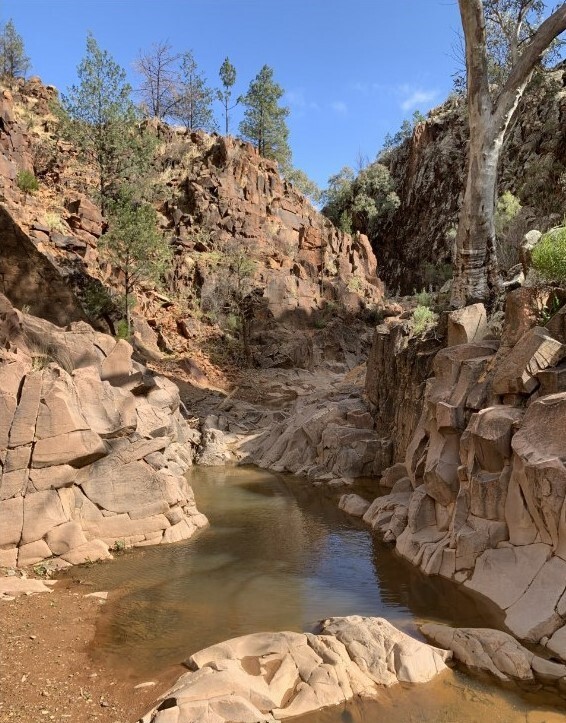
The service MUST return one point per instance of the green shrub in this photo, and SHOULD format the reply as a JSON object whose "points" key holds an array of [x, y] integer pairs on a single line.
{"points": [[122, 330], [355, 284], [507, 207], [27, 182], [423, 298], [549, 256], [423, 319], [54, 222]]}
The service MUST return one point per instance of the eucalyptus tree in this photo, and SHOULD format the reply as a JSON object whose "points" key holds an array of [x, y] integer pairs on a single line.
{"points": [[525, 38]]}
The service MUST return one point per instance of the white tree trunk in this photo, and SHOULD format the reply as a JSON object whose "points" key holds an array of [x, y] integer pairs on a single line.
{"points": [[475, 271]]}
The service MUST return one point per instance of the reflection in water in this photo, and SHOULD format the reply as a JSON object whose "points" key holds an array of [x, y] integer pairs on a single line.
{"points": [[278, 555]]}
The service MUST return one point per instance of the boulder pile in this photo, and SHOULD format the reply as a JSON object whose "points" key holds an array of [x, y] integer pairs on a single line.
{"points": [[93, 447]]}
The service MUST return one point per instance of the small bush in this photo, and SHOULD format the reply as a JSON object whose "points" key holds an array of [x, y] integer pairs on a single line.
{"points": [[122, 331], [27, 182], [118, 546], [54, 222], [507, 207], [423, 298], [355, 284], [549, 256], [423, 319]]}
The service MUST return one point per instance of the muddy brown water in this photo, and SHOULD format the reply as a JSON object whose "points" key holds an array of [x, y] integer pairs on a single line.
{"points": [[279, 555]]}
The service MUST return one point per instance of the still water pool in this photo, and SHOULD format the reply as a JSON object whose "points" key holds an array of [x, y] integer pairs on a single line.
{"points": [[279, 555]]}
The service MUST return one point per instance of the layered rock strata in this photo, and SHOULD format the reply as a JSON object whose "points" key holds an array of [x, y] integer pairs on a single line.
{"points": [[397, 369], [328, 435], [92, 447], [480, 498], [274, 676]]}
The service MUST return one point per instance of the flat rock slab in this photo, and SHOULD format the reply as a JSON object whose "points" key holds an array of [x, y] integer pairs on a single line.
{"points": [[504, 575], [14, 586], [273, 676]]}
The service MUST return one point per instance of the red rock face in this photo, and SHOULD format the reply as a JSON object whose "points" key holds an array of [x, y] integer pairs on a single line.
{"points": [[302, 258], [218, 191]]}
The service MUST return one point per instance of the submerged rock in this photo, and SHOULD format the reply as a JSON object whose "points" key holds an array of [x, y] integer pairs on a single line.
{"points": [[274, 676]]}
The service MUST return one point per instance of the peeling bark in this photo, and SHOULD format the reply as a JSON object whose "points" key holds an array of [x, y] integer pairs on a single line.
{"points": [[476, 275]]}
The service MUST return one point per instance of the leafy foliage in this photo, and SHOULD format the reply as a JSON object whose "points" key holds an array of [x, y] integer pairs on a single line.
{"points": [[99, 116], [231, 296], [549, 256], [27, 182], [506, 208], [303, 183], [14, 63], [423, 319], [264, 122], [404, 133], [356, 202], [134, 246], [193, 107], [424, 298]]}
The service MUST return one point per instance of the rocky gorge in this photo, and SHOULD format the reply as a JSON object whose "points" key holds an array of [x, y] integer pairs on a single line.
{"points": [[462, 427]]}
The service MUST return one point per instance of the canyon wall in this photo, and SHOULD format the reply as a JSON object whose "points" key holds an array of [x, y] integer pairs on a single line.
{"points": [[429, 170], [93, 447], [480, 498]]}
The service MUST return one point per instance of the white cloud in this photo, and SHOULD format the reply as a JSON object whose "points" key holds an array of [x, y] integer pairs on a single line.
{"points": [[338, 106], [415, 97], [297, 100], [361, 87]]}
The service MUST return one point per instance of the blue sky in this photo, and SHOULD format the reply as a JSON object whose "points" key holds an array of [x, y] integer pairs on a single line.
{"points": [[352, 69]]}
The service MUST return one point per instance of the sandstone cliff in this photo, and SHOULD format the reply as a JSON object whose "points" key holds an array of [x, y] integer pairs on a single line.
{"points": [[481, 496], [92, 447], [210, 191]]}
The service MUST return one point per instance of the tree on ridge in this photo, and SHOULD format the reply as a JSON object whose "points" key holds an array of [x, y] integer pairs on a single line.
{"points": [[194, 101], [490, 111], [14, 63], [264, 123], [159, 70], [99, 116], [227, 75]]}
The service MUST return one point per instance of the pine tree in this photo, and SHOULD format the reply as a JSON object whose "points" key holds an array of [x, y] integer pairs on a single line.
{"points": [[194, 103], [264, 122], [227, 75], [134, 246], [99, 116], [14, 63]]}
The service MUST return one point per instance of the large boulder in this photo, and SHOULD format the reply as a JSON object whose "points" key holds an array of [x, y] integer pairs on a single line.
{"points": [[536, 350], [275, 676]]}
